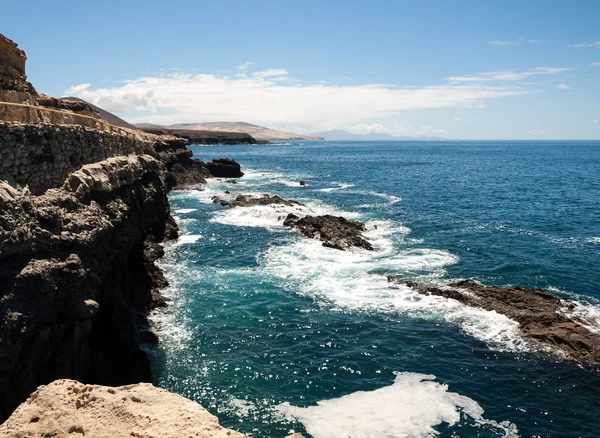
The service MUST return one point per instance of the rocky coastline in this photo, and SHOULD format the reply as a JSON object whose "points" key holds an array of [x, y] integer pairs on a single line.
{"points": [[200, 137], [82, 214], [544, 319]]}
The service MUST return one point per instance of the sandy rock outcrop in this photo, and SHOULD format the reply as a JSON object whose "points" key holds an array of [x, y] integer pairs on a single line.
{"points": [[543, 318], [67, 408]]}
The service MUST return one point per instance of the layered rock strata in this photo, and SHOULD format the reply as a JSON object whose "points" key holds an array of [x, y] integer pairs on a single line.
{"points": [[543, 318], [199, 137]]}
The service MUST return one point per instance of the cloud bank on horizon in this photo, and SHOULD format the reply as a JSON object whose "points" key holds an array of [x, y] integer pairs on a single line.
{"points": [[273, 98]]}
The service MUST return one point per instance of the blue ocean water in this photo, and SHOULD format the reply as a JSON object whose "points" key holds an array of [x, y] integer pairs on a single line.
{"points": [[274, 333]]}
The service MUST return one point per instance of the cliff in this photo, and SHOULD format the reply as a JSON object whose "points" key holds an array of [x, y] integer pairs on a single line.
{"points": [[199, 137], [258, 132], [82, 213], [14, 88]]}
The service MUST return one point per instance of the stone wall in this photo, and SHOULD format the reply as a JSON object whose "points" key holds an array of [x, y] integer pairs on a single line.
{"points": [[42, 155]]}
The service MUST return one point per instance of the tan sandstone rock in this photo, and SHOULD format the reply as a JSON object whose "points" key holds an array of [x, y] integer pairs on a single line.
{"points": [[67, 408]]}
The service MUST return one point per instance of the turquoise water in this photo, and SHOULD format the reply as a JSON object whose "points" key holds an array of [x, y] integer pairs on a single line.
{"points": [[265, 324]]}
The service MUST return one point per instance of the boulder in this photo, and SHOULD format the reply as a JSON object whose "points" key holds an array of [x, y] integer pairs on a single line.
{"points": [[248, 201], [334, 231], [224, 168]]}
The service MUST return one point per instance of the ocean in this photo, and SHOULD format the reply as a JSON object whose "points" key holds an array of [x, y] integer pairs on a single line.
{"points": [[274, 333]]}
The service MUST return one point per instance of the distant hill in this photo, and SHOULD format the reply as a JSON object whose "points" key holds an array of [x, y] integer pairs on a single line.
{"points": [[258, 132], [109, 117], [340, 135]]}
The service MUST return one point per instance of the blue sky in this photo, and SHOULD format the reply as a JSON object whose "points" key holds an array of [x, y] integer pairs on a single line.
{"points": [[457, 69]]}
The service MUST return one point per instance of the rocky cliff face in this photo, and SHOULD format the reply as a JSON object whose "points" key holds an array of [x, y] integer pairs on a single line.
{"points": [[13, 81], [77, 277]]}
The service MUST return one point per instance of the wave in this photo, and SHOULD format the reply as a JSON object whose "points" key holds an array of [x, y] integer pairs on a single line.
{"points": [[412, 406], [340, 187]]}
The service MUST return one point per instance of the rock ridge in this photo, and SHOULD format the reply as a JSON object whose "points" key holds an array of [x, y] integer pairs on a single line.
{"points": [[544, 319]]}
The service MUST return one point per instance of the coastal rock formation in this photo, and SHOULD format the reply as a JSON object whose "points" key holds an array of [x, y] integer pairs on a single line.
{"points": [[199, 137], [77, 276], [224, 168], [69, 409], [248, 201], [257, 132], [13, 81], [543, 318], [334, 231]]}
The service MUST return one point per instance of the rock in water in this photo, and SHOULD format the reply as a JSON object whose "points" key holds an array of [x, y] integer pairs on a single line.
{"points": [[543, 318], [67, 408], [224, 168], [334, 231], [248, 201]]}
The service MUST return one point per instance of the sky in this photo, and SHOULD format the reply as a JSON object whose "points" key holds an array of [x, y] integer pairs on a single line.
{"points": [[527, 69]]}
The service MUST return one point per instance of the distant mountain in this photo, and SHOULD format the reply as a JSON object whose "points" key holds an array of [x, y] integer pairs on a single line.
{"points": [[109, 117], [258, 132], [340, 135]]}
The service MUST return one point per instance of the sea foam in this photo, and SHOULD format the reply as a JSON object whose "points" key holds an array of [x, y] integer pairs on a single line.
{"points": [[411, 407]]}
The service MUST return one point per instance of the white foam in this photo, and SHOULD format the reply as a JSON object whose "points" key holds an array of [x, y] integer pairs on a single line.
{"points": [[187, 238], [185, 210], [355, 281], [593, 240], [411, 407], [272, 216], [340, 187], [241, 407]]}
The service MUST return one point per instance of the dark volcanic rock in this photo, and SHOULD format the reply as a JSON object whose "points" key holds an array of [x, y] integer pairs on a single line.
{"points": [[543, 318], [334, 231], [77, 276], [224, 168], [248, 201]]}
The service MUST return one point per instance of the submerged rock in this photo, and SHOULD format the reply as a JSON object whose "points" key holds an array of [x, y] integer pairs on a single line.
{"points": [[334, 231], [67, 408], [543, 318], [224, 168], [248, 201]]}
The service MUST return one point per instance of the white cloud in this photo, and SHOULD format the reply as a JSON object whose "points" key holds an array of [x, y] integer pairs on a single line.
{"points": [[271, 98], [563, 87], [518, 42], [581, 45], [596, 64], [271, 73], [594, 121], [244, 66], [502, 43], [456, 118], [508, 75]]}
